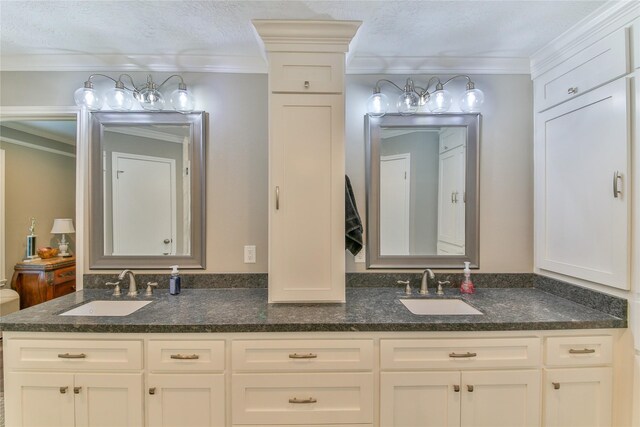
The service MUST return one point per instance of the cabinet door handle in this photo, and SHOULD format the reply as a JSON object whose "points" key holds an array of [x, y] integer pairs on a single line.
{"points": [[583, 351], [185, 356], [152, 390], [63, 390], [306, 84], [556, 386], [309, 400], [616, 178], [303, 356], [277, 197], [72, 356], [467, 354], [67, 274], [456, 388], [452, 197], [76, 390], [470, 388], [572, 90]]}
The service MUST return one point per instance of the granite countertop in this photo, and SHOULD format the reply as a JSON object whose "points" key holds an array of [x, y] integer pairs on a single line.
{"points": [[366, 309]]}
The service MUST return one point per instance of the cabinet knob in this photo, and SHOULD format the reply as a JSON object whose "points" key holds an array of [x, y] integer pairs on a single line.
{"points": [[556, 386], [306, 84], [152, 390], [470, 388], [456, 388], [63, 390], [76, 390]]}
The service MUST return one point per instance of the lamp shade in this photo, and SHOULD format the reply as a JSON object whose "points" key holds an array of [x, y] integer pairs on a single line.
{"points": [[62, 226]]}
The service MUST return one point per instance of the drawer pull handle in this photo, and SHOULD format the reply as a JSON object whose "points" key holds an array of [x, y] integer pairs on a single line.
{"points": [[467, 354], [572, 90], [72, 356], [309, 400], [470, 388], [456, 388], [76, 390], [63, 390], [616, 190], [67, 274], [306, 84], [185, 356], [303, 356], [583, 351], [152, 390], [556, 386]]}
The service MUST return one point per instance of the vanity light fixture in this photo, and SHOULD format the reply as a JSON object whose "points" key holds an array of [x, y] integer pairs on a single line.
{"points": [[413, 97], [121, 97]]}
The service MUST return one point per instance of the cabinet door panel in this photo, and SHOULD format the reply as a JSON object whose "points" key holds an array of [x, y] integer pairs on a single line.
{"points": [[582, 228], [426, 399], [108, 400], [501, 399], [193, 400], [37, 400]]}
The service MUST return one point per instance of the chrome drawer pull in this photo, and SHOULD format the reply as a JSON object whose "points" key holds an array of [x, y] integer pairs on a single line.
{"points": [[72, 356], [185, 356], [63, 390], [309, 400], [583, 351], [76, 390], [470, 388], [467, 354], [456, 388], [556, 386], [152, 390], [303, 356], [616, 178]]}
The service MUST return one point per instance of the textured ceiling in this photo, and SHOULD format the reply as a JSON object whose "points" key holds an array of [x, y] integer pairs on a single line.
{"points": [[390, 29]]}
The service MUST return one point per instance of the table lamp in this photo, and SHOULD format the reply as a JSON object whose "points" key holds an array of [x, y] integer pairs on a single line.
{"points": [[63, 226]]}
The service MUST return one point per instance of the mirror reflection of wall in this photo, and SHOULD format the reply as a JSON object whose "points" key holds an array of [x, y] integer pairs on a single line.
{"points": [[40, 182]]}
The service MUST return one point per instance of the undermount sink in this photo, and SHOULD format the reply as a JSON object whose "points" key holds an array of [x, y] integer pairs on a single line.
{"points": [[445, 307], [106, 308]]}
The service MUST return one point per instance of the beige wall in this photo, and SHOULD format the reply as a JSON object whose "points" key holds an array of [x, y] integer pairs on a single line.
{"points": [[237, 159], [40, 185]]}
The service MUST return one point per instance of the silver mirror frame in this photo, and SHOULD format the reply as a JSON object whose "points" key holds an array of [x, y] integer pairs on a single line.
{"points": [[197, 258], [373, 127]]}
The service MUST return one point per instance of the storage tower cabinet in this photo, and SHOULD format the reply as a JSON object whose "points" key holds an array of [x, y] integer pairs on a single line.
{"points": [[306, 158]]}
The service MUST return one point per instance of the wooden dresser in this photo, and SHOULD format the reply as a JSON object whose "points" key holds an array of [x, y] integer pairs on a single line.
{"points": [[43, 280]]}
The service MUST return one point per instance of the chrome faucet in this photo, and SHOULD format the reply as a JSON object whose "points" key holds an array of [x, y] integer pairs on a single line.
{"points": [[133, 291], [424, 288]]}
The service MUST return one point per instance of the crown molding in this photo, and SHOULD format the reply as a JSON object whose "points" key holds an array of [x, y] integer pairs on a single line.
{"points": [[603, 21], [146, 133], [307, 36], [42, 133], [437, 65], [35, 147]]}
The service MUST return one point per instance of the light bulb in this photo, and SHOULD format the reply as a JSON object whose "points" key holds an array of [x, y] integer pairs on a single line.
{"points": [[377, 105], [408, 103], [118, 99], [150, 98], [86, 96], [440, 100], [181, 100], [471, 100]]}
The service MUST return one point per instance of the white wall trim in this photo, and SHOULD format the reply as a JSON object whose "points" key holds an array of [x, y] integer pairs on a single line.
{"points": [[601, 22], [146, 133], [40, 132], [35, 146], [436, 64], [2, 216]]}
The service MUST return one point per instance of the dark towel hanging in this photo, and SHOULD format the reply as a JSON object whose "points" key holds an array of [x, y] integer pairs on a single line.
{"points": [[352, 221]]}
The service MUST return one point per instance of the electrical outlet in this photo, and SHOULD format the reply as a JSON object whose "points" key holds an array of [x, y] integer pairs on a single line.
{"points": [[361, 256], [250, 254]]}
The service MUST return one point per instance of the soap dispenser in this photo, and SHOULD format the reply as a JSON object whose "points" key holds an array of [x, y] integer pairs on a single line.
{"points": [[174, 281], [467, 285]]}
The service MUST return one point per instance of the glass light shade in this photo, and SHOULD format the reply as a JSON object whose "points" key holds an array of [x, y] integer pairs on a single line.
{"points": [[118, 99], [377, 105], [471, 101], [440, 101], [88, 97], [408, 103], [182, 101], [151, 99]]}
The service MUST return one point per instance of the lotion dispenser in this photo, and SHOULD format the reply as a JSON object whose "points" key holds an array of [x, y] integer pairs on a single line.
{"points": [[467, 285], [174, 281]]}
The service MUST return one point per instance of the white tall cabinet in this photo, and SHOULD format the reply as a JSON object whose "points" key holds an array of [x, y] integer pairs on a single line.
{"points": [[451, 191], [306, 158]]}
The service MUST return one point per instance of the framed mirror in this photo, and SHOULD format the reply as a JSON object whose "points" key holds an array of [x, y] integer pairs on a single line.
{"points": [[147, 190], [422, 190]]}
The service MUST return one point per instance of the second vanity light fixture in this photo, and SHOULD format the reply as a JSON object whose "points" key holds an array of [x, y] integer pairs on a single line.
{"points": [[121, 97], [413, 97]]}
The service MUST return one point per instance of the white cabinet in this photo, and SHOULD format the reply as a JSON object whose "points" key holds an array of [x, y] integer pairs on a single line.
{"points": [[451, 196], [582, 186], [306, 158], [70, 382], [186, 383]]}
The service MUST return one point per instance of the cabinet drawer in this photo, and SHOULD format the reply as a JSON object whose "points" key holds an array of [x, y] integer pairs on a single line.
{"points": [[302, 355], [579, 351], [320, 398], [596, 65], [185, 356], [64, 275], [459, 353], [306, 72], [76, 355], [64, 288]]}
